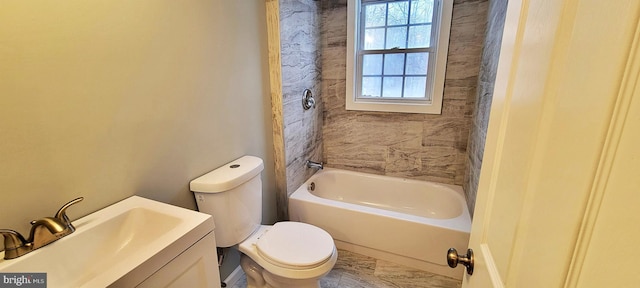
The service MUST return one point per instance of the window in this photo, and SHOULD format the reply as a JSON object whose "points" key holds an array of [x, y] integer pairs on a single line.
{"points": [[397, 54]]}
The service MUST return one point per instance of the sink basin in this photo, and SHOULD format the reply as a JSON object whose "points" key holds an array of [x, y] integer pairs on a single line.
{"points": [[120, 245]]}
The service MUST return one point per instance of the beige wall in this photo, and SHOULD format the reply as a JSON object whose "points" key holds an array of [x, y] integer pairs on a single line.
{"points": [[111, 98]]}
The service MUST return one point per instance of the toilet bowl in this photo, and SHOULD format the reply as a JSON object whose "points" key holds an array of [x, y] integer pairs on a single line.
{"points": [[286, 254], [292, 254]]}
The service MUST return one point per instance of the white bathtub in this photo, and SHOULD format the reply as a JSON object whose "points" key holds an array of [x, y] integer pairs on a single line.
{"points": [[409, 222]]}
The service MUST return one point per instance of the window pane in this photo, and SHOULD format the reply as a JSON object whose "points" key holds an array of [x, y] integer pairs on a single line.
{"points": [[393, 64], [371, 86], [372, 65], [392, 87], [419, 36], [414, 87], [417, 63], [421, 11], [398, 13], [375, 15], [374, 38], [396, 37]]}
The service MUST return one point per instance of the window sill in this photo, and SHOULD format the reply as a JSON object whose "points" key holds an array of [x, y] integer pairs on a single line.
{"points": [[431, 108]]}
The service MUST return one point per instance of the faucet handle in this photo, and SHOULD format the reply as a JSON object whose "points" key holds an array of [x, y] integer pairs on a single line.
{"points": [[62, 212], [12, 240]]}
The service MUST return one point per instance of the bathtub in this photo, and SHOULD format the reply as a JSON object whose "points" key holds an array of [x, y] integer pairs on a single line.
{"points": [[409, 222]]}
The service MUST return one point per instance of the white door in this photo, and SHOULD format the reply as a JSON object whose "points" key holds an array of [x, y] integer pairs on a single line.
{"points": [[560, 182]]}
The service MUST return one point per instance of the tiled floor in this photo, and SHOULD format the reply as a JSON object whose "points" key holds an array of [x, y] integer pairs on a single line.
{"points": [[357, 271]]}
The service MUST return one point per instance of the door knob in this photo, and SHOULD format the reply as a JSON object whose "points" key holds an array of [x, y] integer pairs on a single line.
{"points": [[467, 260]]}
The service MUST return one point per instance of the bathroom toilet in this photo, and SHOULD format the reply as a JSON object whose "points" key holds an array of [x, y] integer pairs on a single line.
{"points": [[286, 254]]}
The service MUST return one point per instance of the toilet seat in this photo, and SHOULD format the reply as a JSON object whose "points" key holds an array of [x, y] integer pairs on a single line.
{"points": [[295, 245], [273, 259]]}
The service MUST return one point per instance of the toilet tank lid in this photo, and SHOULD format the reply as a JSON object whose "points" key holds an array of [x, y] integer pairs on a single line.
{"points": [[228, 176]]}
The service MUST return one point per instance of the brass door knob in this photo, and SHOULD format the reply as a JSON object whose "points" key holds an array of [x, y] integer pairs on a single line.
{"points": [[467, 260]]}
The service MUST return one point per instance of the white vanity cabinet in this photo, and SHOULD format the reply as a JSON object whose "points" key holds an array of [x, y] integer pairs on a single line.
{"points": [[195, 267]]}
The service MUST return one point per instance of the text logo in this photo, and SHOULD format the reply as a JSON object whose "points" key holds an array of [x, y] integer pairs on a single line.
{"points": [[23, 280]]}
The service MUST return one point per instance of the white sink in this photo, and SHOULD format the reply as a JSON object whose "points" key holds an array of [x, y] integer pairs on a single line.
{"points": [[120, 245]]}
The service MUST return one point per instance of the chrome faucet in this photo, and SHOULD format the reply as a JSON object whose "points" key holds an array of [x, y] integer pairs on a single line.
{"points": [[311, 164], [43, 231]]}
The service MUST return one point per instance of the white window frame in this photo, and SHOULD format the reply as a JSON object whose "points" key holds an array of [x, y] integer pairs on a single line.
{"points": [[435, 75]]}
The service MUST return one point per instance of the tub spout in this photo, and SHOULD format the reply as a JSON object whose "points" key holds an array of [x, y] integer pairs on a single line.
{"points": [[311, 164]]}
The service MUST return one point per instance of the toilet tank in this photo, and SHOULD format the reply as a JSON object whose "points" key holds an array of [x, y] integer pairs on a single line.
{"points": [[232, 194]]}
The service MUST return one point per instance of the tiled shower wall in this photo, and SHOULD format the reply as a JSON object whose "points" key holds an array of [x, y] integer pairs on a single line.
{"points": [[300, 56], [420, 146], [488, 69]]}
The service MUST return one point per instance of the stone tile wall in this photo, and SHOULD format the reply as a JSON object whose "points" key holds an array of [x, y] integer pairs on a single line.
{"points": [[488, 69], [420, 146], [300, 56]]}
